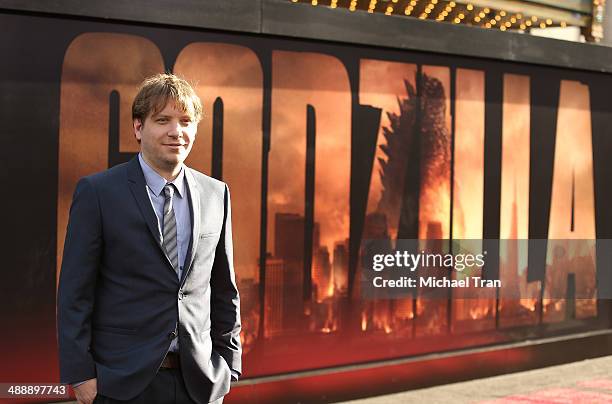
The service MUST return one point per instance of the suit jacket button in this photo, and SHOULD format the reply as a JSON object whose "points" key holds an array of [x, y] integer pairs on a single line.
{"points": [[181, 295], [172, 335]]}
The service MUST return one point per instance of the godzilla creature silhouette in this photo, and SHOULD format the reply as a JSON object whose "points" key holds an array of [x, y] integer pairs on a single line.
{"points": [[402, 136]]}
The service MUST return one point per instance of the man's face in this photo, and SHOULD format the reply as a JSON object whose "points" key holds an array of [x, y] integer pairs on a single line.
{"points": [[166, 137]]}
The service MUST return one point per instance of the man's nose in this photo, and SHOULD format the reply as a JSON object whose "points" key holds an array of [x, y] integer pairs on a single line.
{"points": [[176, 130]]}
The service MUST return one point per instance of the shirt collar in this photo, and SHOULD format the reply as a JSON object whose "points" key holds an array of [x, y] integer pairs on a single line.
{"points": [[157, 183]]}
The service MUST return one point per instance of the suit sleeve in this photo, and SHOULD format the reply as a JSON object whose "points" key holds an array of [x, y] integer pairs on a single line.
{"points": [[225, 300], [75, 301]]}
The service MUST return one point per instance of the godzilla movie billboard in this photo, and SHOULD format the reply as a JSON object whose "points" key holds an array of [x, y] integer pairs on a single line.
{"points": [[322, 145]]}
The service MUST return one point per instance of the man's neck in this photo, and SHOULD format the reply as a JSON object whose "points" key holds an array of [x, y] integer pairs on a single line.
{"points": [[168, 173]]}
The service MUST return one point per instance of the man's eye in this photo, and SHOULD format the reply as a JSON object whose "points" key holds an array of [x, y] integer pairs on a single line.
{"points": [[186, 121], [162, 120]]}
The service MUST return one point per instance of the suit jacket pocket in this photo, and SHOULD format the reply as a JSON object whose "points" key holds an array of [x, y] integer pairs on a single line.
{"points": [[211, 234], [115, 330]]}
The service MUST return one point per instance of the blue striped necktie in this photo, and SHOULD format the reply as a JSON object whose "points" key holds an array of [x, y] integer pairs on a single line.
{"points": [[169, 233]]}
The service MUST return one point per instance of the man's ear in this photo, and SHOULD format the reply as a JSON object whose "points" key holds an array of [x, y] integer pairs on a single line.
{"points": [[138, 125]]}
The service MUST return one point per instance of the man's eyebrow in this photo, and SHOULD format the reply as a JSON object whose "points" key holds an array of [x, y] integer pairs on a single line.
{"points": [[170, 116]]}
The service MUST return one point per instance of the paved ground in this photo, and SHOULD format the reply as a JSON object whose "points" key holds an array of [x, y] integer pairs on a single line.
{"points": [[588, 381], [585, 382]]}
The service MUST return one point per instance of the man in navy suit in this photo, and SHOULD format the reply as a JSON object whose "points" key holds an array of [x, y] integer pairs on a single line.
{"points": [[148, 308]]}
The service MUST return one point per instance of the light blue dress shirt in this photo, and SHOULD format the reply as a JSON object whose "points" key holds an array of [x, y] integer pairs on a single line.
{"points": [[180, 205]]}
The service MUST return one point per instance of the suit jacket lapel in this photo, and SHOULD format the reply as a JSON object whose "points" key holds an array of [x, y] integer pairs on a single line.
{"points": [[194, 206], [138, 187]]}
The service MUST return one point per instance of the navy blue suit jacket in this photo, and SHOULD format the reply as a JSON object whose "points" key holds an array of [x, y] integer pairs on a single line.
{"points": [[120, 301]]}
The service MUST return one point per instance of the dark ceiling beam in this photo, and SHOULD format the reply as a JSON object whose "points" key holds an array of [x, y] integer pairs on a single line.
{"points": [[240, 15], [285, 19]]}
